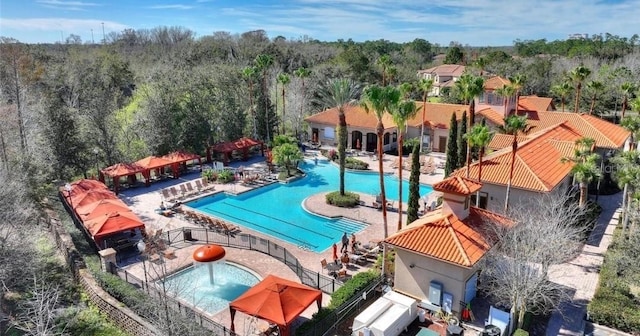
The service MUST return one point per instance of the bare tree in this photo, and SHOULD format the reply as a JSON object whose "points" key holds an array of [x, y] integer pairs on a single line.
{"points": [[37, 314], [545, 232]]}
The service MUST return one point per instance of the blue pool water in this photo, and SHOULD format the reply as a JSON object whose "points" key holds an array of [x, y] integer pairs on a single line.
{"points": [[194, 285], [276, 210]]}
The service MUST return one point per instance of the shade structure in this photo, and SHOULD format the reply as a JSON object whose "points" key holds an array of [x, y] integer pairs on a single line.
{"points": [[90, 196], [276, 300], [179, 157], [118, 170], [241, 145], [96, 209], [110, 223], [81, 186], [149, 163], [209, 253]]}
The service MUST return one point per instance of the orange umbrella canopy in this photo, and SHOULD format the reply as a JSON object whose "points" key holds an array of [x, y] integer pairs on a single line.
{"points": [[208, 253], [152, 162], [82, 186], [111, 223], [91, 196], [122, 169], [235, 145], [180, 156], [277, 300], [100, 208]]}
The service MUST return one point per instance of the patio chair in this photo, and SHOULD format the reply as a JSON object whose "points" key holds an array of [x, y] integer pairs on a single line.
{"points": [[183, 189], [167, 196], [175, 193], [190, 189], [199, 185], [342, 275]]}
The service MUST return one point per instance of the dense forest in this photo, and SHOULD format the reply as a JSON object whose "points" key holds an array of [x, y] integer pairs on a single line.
{"points": [[70, 108]]}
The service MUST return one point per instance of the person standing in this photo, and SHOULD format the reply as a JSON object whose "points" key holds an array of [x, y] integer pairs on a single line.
{"points": [[345, 243]]}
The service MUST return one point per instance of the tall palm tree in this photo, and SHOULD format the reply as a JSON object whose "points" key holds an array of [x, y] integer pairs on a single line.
{"points": [[506, 92], [513, 125], [302, 73], [339, 93], [401, 113], [632, 124], [517, 82], [596, 88], [469, 87], [392, 72], [584, 172], [561, 90], [425, 86], [263, 62], [479, 136], [384, 62], [627, 174], [405, 90], [378, 99], [578, 75], [284, 80], [627, 90], [249, 75]]}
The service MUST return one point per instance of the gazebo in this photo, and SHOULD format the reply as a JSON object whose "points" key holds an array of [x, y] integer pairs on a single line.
{"points": [[276, 300], [101, 207], [227, 148], [180, 157], [108, 224], [89, 197], [119, 170], [152, 162]]}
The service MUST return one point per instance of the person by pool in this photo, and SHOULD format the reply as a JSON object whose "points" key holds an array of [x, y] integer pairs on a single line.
{"points": [[345, 243]]}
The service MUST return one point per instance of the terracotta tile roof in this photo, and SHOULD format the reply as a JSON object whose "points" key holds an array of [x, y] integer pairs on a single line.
{"points": [[537, 165], [457, 185], [534, 103], [437, 115], [445, 70], [446, 237], [491, 115], [356, 117], [495, 83], [500, 141], [606, 134]]}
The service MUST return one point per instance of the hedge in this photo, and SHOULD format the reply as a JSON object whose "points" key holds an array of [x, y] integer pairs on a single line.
{"points": [[349, 199]]}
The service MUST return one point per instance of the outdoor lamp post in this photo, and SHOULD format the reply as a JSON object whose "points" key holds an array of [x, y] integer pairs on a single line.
{"points": [[141, 246], [96, 151]]}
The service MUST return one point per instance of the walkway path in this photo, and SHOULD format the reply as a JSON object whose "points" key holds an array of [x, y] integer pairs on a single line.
{"points": [[581, 274]]}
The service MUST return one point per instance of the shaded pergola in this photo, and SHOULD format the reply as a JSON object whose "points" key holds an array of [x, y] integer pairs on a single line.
{"points": [[96, 209], [227, 148], [179, 157], [277, 300], [112, 223], [90, 196], [119, 170], [150, 163]]}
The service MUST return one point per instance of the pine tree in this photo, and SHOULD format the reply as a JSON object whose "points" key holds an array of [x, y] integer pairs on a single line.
{"points": [[462, 142], [452, 147], [414, 186]]}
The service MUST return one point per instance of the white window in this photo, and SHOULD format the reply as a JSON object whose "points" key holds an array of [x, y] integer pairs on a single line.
{"points": [[329, 133]]}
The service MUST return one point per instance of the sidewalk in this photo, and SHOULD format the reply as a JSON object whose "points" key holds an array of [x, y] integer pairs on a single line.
{"points": [[582, 273]]}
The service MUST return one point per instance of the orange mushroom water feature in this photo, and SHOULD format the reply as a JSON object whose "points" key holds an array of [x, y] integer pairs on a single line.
{"points": [[209, 255]]}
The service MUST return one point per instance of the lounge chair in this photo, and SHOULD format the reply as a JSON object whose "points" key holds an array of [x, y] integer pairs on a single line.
{"points": [[190, 189], [175, 193], [199, 185], [208, 185], [166, 194], [395, 163], [228, 228], [183, 189]]}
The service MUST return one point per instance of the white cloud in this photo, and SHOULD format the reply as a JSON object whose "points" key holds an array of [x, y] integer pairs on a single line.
{"points": [[54, 24], [176, 6]]}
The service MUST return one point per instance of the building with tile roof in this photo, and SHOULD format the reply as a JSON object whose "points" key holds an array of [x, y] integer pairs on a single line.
{"points": [[445, 245], [444, 75]]}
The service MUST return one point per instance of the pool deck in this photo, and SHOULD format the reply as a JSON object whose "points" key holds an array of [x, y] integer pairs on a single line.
{"points": [[144, 202]]}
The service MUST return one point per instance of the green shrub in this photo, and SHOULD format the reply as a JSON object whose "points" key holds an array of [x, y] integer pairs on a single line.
{"points": [[87, 322], [353, 163], [349, 200], [520, 332], [209, 175], [226, 176]]}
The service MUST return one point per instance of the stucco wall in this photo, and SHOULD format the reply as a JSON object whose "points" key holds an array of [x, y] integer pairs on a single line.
{"points": [[497, 193], [415, 280]]}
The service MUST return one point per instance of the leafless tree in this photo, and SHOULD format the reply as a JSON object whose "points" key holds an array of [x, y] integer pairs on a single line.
{"points": [[37, 314], [545, 232]]}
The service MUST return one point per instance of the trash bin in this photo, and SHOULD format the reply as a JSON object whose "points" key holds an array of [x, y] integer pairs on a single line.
{"points": [[187, 235], [421, 314]]}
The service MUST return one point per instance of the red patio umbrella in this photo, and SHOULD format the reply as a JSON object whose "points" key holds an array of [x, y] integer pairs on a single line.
{"points": [[100, 208], [152, 162], [110, 223], [90, 196]]}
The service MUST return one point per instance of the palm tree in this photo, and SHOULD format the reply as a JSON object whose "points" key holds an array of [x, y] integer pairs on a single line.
{"points": [[384, 62], [578, 75], [263, 63], [339, 93], [284, 80], [425, 86], [596, 88], [378, 99], [517, 82], [506, 92], [392, 72], [302, 73], [405, 90], [481, 64], [469, 87], [632, 124], [401, 113], [249, 75], [561, 90], [479, 136], [584, 172], [627, 174], [513, 124], [627, 90]]}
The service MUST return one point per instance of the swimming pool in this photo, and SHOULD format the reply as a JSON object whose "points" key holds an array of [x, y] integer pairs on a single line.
{"points": [[193, 285], [276, 210]]}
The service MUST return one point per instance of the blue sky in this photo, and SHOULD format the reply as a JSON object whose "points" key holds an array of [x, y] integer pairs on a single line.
{"points": [[472, 22]]}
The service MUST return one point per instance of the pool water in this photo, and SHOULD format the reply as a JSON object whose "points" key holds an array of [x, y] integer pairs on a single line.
{"points": [[276, 210], [194, 285]]}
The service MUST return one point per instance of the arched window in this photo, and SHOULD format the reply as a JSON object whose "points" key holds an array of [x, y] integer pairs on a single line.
{"points": [[386, 138]]}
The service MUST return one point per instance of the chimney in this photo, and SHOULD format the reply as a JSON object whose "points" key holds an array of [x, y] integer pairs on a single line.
{"points": [[456, 192]]}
